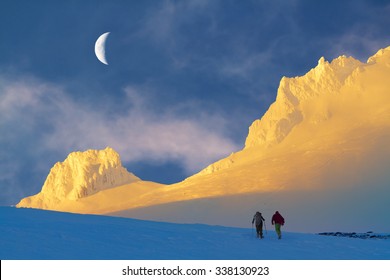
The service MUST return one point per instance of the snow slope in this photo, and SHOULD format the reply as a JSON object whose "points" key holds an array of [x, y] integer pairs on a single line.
{"points": [[39, 234]]}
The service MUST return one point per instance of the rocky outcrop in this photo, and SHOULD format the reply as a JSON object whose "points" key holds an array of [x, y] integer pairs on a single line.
{"points": [[366, 235], [80, 175]]}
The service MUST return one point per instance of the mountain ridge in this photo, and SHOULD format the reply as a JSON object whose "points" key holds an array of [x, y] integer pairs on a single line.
{"points": [[327, 131], [296, 99], [285, 113]]}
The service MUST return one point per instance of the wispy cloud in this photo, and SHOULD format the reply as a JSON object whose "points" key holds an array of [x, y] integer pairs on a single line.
{"points": [[227, 47], [171, 25], [59, 123], [362, 32], [358, 45], [166, 20]]}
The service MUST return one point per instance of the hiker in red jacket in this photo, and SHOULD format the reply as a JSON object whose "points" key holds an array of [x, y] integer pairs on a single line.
{"points": [[278, 221]]}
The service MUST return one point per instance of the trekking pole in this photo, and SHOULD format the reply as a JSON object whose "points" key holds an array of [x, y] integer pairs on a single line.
{"points": [[265, 227]]}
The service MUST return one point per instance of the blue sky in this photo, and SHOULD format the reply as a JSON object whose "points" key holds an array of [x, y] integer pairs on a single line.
{"points": [[184, 82]]}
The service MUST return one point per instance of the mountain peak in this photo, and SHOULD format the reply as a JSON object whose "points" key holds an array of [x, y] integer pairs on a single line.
{"points": [[325, 79], [322, 61], [81, 174], [379, 56], [106, 158]]}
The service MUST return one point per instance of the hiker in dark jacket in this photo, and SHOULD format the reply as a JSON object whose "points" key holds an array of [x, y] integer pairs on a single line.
{"points": [[258, 221], [278, 221]]}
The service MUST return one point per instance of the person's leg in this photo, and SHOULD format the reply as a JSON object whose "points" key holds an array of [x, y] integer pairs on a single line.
{"points": [[277, 229]]}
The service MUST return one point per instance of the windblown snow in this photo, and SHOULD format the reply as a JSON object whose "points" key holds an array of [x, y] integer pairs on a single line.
{"points": [[319, 155]]}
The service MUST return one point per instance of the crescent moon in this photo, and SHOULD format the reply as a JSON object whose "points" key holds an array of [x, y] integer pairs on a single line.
{"points": [[100, 48]]}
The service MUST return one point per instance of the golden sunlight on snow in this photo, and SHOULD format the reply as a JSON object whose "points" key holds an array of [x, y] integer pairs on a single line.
{"points": [[328, 129]]}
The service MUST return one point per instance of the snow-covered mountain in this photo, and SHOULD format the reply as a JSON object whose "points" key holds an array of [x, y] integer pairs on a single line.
{"points": [[331, 99], [320, 155], [80, 175], [289, 109]]}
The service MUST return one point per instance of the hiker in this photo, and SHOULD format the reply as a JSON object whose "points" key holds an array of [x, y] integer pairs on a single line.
{"points": [[258, 221], [278, 220]]}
